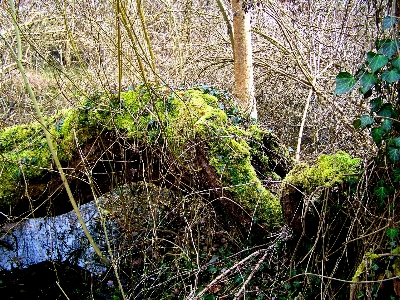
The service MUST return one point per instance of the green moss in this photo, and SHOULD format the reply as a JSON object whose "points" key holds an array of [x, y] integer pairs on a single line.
{"points": [[359, 271], [369, 256], [396, 267], [231, 157], [328, 171], [396, 264], [150, 116], [372, 256], [396, 250]]}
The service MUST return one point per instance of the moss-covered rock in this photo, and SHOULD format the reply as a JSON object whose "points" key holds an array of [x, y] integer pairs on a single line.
{"points": [[176, 122]]}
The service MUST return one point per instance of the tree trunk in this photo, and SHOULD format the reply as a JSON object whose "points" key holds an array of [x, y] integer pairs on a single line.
{"points": [[244, 85]]}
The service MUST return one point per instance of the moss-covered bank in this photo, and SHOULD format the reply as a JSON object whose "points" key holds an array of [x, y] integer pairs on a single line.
{"points": [[241, 154]]}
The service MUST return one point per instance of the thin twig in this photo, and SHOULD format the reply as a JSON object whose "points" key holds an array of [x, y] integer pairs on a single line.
{"points": [[224, 274], [257, 266]]}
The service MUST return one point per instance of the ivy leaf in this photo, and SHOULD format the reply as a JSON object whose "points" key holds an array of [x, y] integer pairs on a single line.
{"points": [[377, 134], [396, 174], [377, 62], [344, 83], [357, 123], [396, 141], [393, 154], [360, 71], [366, 120], [388, 22], [391, 76], [376, 104], [387, 47], [370, 56], [396, 63], [392, 233], [381, 192], [385, 111], [387, 125], [367, 81], [238, 279]]}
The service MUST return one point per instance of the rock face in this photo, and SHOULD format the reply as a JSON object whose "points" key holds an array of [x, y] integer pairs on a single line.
{"points": [[194, 141]]}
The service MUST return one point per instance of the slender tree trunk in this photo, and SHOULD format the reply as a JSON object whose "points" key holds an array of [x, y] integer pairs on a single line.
{"points": [[244, 84]]}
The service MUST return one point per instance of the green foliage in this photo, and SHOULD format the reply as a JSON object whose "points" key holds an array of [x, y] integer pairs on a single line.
{"points": [[393, 154], [344, 83], [375, 61], [387, 47], [396, 63], [375, 104], [392, 233], [391, 75], [379, 81], [379, 78], [382, 191], [368, 80], [388, 22], [365, 121], [396, 174]]}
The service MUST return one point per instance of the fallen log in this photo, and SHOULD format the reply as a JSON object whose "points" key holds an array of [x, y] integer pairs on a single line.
{"points": [[194, 141]]}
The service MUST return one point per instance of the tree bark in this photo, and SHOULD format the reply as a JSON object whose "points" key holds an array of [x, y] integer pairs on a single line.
{"points": [[243, 61]]}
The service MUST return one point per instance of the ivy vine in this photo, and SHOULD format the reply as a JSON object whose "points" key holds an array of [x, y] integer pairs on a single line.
{"points": [[378, 81]]}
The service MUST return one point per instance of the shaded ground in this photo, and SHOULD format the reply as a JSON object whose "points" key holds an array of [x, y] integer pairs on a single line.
{"points": [[48, 280]]}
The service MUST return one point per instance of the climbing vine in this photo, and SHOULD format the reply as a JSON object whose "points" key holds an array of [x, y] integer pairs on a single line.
{"points": [[377, 81]]}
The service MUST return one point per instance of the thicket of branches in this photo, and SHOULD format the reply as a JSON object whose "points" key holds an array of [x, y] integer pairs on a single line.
{"points": [[71, 48], [185, 247]]}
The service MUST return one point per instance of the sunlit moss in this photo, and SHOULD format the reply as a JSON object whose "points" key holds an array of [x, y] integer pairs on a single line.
{"points": [[151, 116], [359, 271], [328, 171], [231, 157], [396, 263], [362, 266]]}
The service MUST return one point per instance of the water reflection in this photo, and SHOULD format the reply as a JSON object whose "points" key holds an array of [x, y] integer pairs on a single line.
{"points": [[52, 238]]}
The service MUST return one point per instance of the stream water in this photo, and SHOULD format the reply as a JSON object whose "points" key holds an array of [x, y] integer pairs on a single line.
{"points": [[43, 258], [59, 238]]}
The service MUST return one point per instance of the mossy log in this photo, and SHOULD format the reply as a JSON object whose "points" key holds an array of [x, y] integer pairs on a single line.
{"points": [[194, 141], [317, 203], [305, 181]]}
